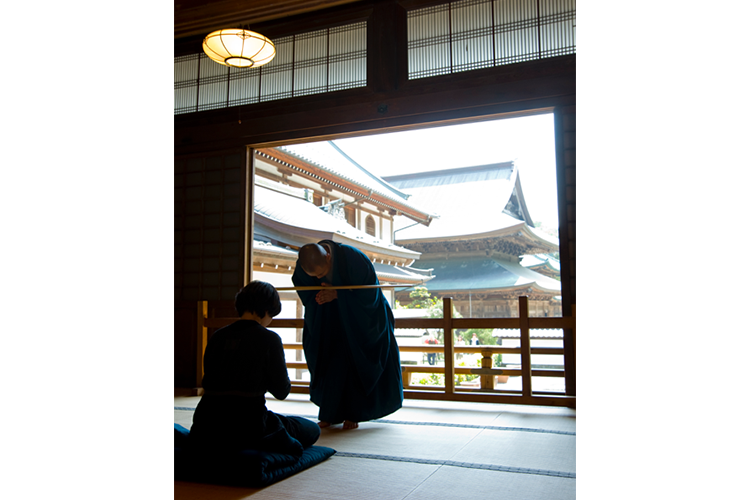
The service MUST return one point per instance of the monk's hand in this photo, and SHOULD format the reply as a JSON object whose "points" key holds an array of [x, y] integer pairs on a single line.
{"points": [[325, 296]]}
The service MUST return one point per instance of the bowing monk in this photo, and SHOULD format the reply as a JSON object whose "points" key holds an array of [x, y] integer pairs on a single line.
{"points": [[348, 338]]}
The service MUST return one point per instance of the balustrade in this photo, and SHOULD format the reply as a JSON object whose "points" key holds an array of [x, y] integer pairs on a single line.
{"points": [[486, 391]]}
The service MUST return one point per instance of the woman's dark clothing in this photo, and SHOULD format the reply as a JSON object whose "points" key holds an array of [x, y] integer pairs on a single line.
{"points": [[242, 362]]}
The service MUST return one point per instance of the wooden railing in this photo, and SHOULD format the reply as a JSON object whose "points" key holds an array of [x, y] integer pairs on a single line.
{"points": [[486, 392]]}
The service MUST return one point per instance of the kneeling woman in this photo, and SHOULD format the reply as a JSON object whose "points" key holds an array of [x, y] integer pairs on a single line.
{"points": [[242, 362]]}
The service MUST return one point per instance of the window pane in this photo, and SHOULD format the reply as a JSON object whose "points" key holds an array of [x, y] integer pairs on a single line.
{"points": [[307, 63], [472, 34]]}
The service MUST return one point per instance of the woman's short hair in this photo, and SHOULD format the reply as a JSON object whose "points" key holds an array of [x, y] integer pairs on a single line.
{"points": [[258, 297]]}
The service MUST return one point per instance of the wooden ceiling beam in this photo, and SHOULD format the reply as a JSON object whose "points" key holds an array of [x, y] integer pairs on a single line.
{"points": [[196, 17]]}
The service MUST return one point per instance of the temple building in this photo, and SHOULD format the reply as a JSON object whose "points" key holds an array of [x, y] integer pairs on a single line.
{"points": [[483, 249], [307, 193], [428, 228]]}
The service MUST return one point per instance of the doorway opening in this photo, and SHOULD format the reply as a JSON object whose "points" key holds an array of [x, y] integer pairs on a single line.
{"points": [[466, 210]]}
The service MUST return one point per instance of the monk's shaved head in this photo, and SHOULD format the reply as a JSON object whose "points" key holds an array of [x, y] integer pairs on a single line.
{"points": [[314, 259]]}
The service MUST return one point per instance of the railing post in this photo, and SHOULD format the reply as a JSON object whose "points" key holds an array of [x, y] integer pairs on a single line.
{"points": [[450, 378], [298, 337], [569, 343], [202, 338], [487, 381], [523, 316], [575, 342]]}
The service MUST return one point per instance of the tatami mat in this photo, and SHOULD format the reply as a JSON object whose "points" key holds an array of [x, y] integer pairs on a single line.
{"points": [[411, 441], [334, 479], [426, 450], [532, 450], [452, 483]]}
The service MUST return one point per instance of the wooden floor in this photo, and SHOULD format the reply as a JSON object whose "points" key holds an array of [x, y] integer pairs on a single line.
{"points": [[426, 450]]}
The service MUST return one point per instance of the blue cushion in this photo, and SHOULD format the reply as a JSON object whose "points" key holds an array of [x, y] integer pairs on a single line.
{"points": [[251, 468], [180, 436], [281, 442]]}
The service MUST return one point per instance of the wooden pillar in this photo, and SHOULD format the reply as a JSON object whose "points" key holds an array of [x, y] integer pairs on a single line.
{"points": [[249, 214]]}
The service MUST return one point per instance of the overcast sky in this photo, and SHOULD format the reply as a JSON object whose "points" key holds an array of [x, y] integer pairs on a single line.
{"points": [[529, 141]]}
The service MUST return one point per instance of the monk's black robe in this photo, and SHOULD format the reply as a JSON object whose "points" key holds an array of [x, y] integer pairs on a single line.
{"points": [[349, 344]]}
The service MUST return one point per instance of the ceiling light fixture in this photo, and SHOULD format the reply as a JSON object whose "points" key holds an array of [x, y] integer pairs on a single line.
{"points": [[239, 48]]}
